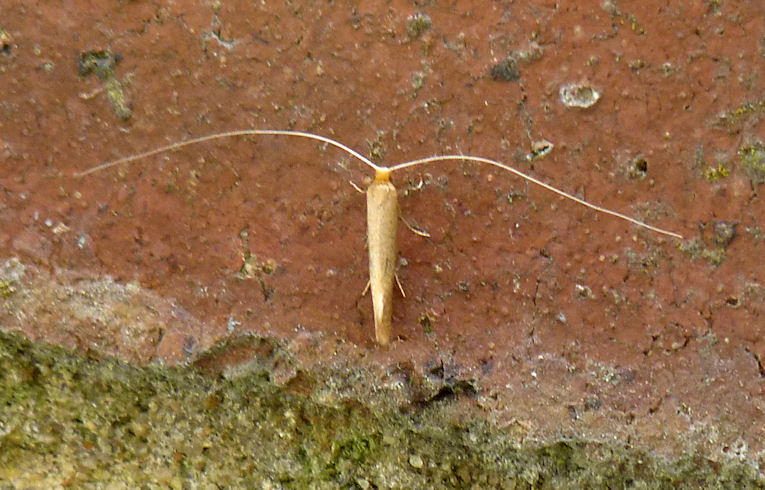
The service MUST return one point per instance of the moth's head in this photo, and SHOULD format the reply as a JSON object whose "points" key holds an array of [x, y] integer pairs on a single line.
{"points": [[382, 174]]}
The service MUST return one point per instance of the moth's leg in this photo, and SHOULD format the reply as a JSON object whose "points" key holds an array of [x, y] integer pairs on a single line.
{"points": [[400, 287], [414, 230], [359, 189]]}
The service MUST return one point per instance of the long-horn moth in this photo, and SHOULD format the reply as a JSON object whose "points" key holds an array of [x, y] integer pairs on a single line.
{"points": [[382, 211]]}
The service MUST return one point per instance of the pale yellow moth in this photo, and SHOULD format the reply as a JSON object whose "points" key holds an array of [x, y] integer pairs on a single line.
{"points": [[382, 212]]}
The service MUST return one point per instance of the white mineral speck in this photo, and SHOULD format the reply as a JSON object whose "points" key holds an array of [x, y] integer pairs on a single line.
{"points": [[578, 95], [415, 461]]}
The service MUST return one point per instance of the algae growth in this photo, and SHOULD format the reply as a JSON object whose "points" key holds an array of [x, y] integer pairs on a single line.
{"points": [[103, 64], [82, 422], [753, 161]]}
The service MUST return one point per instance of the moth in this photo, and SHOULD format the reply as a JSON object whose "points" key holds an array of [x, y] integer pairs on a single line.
{"points": [[383, 211]]}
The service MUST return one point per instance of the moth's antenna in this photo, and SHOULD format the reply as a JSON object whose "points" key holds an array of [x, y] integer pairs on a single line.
{"points": [[379, 170], [243, 132], [537, 182]]}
